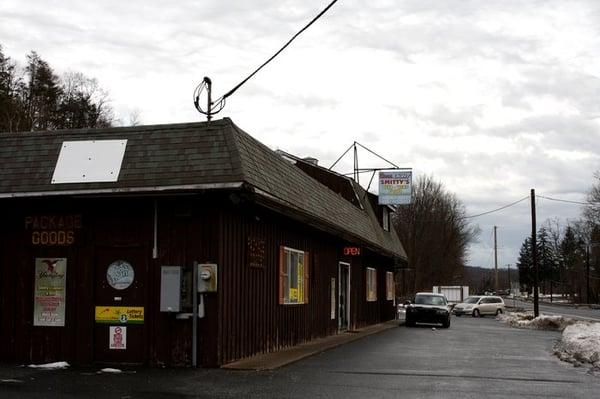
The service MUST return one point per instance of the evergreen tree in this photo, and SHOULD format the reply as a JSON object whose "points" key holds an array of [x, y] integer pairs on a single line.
{"points": [[573, 255], [43, 94], [525, 265], [11, 108], [547, 260]]}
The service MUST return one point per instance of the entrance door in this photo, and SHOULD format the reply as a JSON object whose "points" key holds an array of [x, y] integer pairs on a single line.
{"points": [[120, 305], [344, 296]]}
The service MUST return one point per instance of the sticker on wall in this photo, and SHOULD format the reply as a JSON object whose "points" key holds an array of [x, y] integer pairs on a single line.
{"points": [[120, 274], [120, 314], [117, 337], [50, 292]]}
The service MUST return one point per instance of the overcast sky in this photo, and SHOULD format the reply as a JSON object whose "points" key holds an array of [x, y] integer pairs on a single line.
{"points": [[492, 98]]}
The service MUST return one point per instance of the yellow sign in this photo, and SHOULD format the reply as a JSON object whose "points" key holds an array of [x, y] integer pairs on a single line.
{"points": [[293, 294], [300, 282], [120, 314]]}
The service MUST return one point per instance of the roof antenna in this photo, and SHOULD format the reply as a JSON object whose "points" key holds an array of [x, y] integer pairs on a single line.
{"points": [[211, 107]]}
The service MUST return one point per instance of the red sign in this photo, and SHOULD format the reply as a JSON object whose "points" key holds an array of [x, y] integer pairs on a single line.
{"points": [[351, 251]]}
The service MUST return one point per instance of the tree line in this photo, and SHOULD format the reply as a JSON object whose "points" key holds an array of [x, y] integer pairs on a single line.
{"points": [[33, 97], [435, 235], [567, 256]]}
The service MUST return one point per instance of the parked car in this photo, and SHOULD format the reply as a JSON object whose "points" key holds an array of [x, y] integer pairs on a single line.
{"points": [[428, 308], [478, 306], [401, 313]]}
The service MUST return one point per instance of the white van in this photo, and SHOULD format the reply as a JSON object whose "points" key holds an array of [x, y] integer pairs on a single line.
{"points": [[478, 306]]}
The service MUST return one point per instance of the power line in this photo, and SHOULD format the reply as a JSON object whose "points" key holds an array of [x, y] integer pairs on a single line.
{"points": [[568, 201], [230, 92], [496, 210]]}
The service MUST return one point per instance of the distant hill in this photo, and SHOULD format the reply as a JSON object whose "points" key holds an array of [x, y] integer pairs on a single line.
{"points": [[481, 279]]}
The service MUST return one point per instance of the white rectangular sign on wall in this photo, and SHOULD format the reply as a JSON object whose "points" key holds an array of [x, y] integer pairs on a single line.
{"points": [[89, 161], [117, 337]]}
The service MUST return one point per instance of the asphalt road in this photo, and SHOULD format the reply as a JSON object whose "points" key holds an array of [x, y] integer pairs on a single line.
{"points": [[475, 358], [581, 312]]}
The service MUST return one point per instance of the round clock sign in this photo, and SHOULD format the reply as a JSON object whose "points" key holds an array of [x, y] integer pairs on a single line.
{"points": [[120, 274]]}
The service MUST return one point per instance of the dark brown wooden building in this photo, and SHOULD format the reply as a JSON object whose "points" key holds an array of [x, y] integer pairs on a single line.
{"points": [[91, 217]]}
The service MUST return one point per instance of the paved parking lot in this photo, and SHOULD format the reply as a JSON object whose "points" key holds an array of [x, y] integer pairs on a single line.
{"points": [[475, 358]]}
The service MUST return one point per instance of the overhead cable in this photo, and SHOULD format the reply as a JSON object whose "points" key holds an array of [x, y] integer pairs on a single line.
{"points": [[496, 210], [230, 92], [568, 201]]}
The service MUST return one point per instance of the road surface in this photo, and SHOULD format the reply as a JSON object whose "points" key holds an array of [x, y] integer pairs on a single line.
{"points": [[583, 313], [474, 358]]}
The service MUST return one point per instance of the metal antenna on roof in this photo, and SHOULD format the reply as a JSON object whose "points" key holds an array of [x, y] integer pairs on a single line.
{"points": [[211, 107], [358, 170]]}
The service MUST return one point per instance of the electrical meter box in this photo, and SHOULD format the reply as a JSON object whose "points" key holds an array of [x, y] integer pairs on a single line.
{"points": [[207, 277], [170, 289]]}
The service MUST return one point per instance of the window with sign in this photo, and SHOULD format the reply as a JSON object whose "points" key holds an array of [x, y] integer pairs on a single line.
{"points": [[371, 284], [389, 286], [293, 276]]}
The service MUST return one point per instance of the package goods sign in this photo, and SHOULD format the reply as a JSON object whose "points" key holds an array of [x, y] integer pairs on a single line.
{"points": [[395, 188], [52, 230], [120, 314], [50, 292], [117, 337]]}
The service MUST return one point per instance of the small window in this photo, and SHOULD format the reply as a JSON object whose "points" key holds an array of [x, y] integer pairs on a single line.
{"points": [[371, 284], [386, 218], [293, 276], [389, 286]]}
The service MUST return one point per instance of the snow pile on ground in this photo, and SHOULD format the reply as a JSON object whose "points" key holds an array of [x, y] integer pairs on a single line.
{"points": [[580, 343], [110, 370], [542, 322], [50, 366]]}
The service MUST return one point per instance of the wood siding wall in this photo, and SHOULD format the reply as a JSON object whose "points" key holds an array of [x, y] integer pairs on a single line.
{"points": [[251, 320], [242, 318]]}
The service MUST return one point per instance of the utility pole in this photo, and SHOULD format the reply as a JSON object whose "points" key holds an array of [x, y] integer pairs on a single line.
{"points": [[587, 271], [496, 288], [509, 285], [536, 299]]}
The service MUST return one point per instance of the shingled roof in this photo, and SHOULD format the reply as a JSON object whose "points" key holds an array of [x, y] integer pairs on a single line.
{"points": [[188, 157]]}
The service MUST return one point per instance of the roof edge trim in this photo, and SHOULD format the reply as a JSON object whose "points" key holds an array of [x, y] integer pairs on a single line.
{"points": [[348, 235], [185, 187]]}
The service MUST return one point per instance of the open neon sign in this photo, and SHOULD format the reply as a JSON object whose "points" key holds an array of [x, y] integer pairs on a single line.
{"points": [[351, 251]]}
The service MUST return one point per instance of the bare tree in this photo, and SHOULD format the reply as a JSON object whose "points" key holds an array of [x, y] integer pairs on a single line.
{"points": [[35, 98], [435, 233], [135, 118], [591, 212], [83, 103]]}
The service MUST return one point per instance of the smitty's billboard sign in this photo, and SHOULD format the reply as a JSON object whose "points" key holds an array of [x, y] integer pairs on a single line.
{"points": [[395, 188], [52, 230]]}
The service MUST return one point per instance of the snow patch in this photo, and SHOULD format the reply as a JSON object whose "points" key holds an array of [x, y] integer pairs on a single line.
{"points": [[109, 370], [580, 340], [580, 344], [542, 322], [50, 366]]}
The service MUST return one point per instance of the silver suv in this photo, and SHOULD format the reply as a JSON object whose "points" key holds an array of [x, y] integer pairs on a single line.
{"points": [[479, 306]]}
